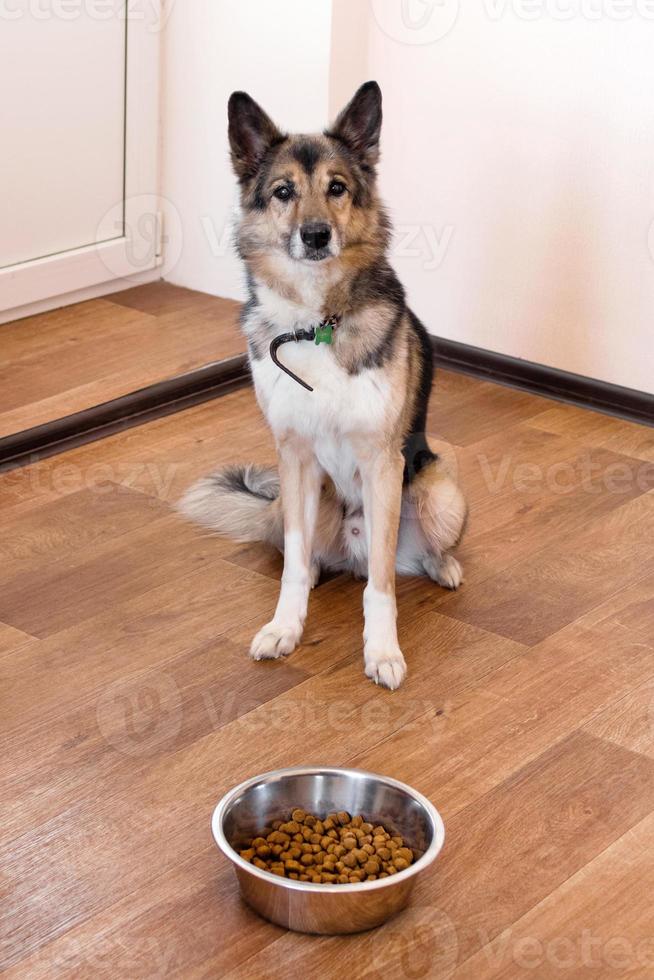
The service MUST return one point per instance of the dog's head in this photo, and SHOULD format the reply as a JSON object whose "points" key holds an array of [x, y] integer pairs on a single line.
{"points": [[310, 197]]}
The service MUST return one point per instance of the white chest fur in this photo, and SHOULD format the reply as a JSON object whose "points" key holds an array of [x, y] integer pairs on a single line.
{"points": [[340, 407]]}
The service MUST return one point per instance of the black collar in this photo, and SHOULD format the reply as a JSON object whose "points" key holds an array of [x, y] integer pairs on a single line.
{"points": [[322, 334]]}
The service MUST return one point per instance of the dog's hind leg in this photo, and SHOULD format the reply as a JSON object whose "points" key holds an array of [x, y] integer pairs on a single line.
{"points": [[416, 556], [444, 569], [441, 511]]}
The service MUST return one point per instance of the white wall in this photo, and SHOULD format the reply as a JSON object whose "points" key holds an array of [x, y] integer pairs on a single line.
{"points": [[518, 155], [279, 53]]}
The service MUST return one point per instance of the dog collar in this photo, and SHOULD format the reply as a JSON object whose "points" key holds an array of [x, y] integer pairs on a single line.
{"points": [[322, 334]]}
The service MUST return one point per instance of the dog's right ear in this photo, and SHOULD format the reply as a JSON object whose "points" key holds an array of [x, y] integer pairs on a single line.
{"points": [[251, 134]]}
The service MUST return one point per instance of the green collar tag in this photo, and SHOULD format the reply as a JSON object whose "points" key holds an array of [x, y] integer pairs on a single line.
{"points": [[324, 331]]}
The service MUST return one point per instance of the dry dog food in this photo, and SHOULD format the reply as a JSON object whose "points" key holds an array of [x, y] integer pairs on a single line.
{"points": [[339, 850]]}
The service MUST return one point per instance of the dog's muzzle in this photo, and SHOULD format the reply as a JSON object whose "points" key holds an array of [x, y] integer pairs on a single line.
{"points": [[316, 236]]}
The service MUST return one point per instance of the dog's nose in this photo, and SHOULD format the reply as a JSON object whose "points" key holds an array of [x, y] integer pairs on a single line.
{"points": [[315, 234]]}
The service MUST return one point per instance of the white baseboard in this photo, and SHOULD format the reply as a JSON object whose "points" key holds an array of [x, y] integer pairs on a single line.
{"points": [[79, 295]]}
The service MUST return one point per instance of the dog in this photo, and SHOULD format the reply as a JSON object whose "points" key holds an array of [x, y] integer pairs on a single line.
{"points": [[357, 488]]}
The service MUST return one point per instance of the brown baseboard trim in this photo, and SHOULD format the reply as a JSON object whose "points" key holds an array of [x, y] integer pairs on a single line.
{"points": [[213, 380], [155, 401], [538, 379]]}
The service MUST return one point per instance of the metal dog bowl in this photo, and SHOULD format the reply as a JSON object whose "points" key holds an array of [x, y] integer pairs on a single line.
{"points": [[326, 909]]}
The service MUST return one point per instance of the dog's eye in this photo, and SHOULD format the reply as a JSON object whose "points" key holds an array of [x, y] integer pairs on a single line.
{"points": [[336, 188], [283, 193]]}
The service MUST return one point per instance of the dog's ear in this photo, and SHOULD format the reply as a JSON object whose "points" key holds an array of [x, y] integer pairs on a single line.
{"points": [[251, 134], [359, 124]]}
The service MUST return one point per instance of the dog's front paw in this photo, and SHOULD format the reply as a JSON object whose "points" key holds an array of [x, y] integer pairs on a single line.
{"points": [[385, 667], [275, 640]]}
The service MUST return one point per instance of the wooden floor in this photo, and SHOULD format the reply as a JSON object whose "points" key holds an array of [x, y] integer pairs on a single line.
{"points": [[129, 706], [71, 359]]}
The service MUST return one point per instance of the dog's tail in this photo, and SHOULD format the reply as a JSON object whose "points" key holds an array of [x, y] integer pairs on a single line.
{"points": [[241, 502]]}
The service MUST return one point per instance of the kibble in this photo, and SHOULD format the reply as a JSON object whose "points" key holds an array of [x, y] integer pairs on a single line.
{"points": [[336, 850]]}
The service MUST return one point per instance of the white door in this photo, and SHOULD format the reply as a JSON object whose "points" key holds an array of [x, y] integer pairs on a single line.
{"points": [[78, 168]]}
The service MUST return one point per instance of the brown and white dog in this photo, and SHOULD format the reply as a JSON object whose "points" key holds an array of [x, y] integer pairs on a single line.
{"points": [[354, 465]]}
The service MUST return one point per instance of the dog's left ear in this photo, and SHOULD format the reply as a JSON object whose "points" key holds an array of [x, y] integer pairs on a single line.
{"points": [[359, 124]]}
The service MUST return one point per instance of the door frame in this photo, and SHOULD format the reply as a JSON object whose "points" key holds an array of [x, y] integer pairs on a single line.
{"points": [[139, 248]]}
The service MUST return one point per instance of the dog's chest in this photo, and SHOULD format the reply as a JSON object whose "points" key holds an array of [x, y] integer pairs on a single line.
{"points": [[341, 409]]}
